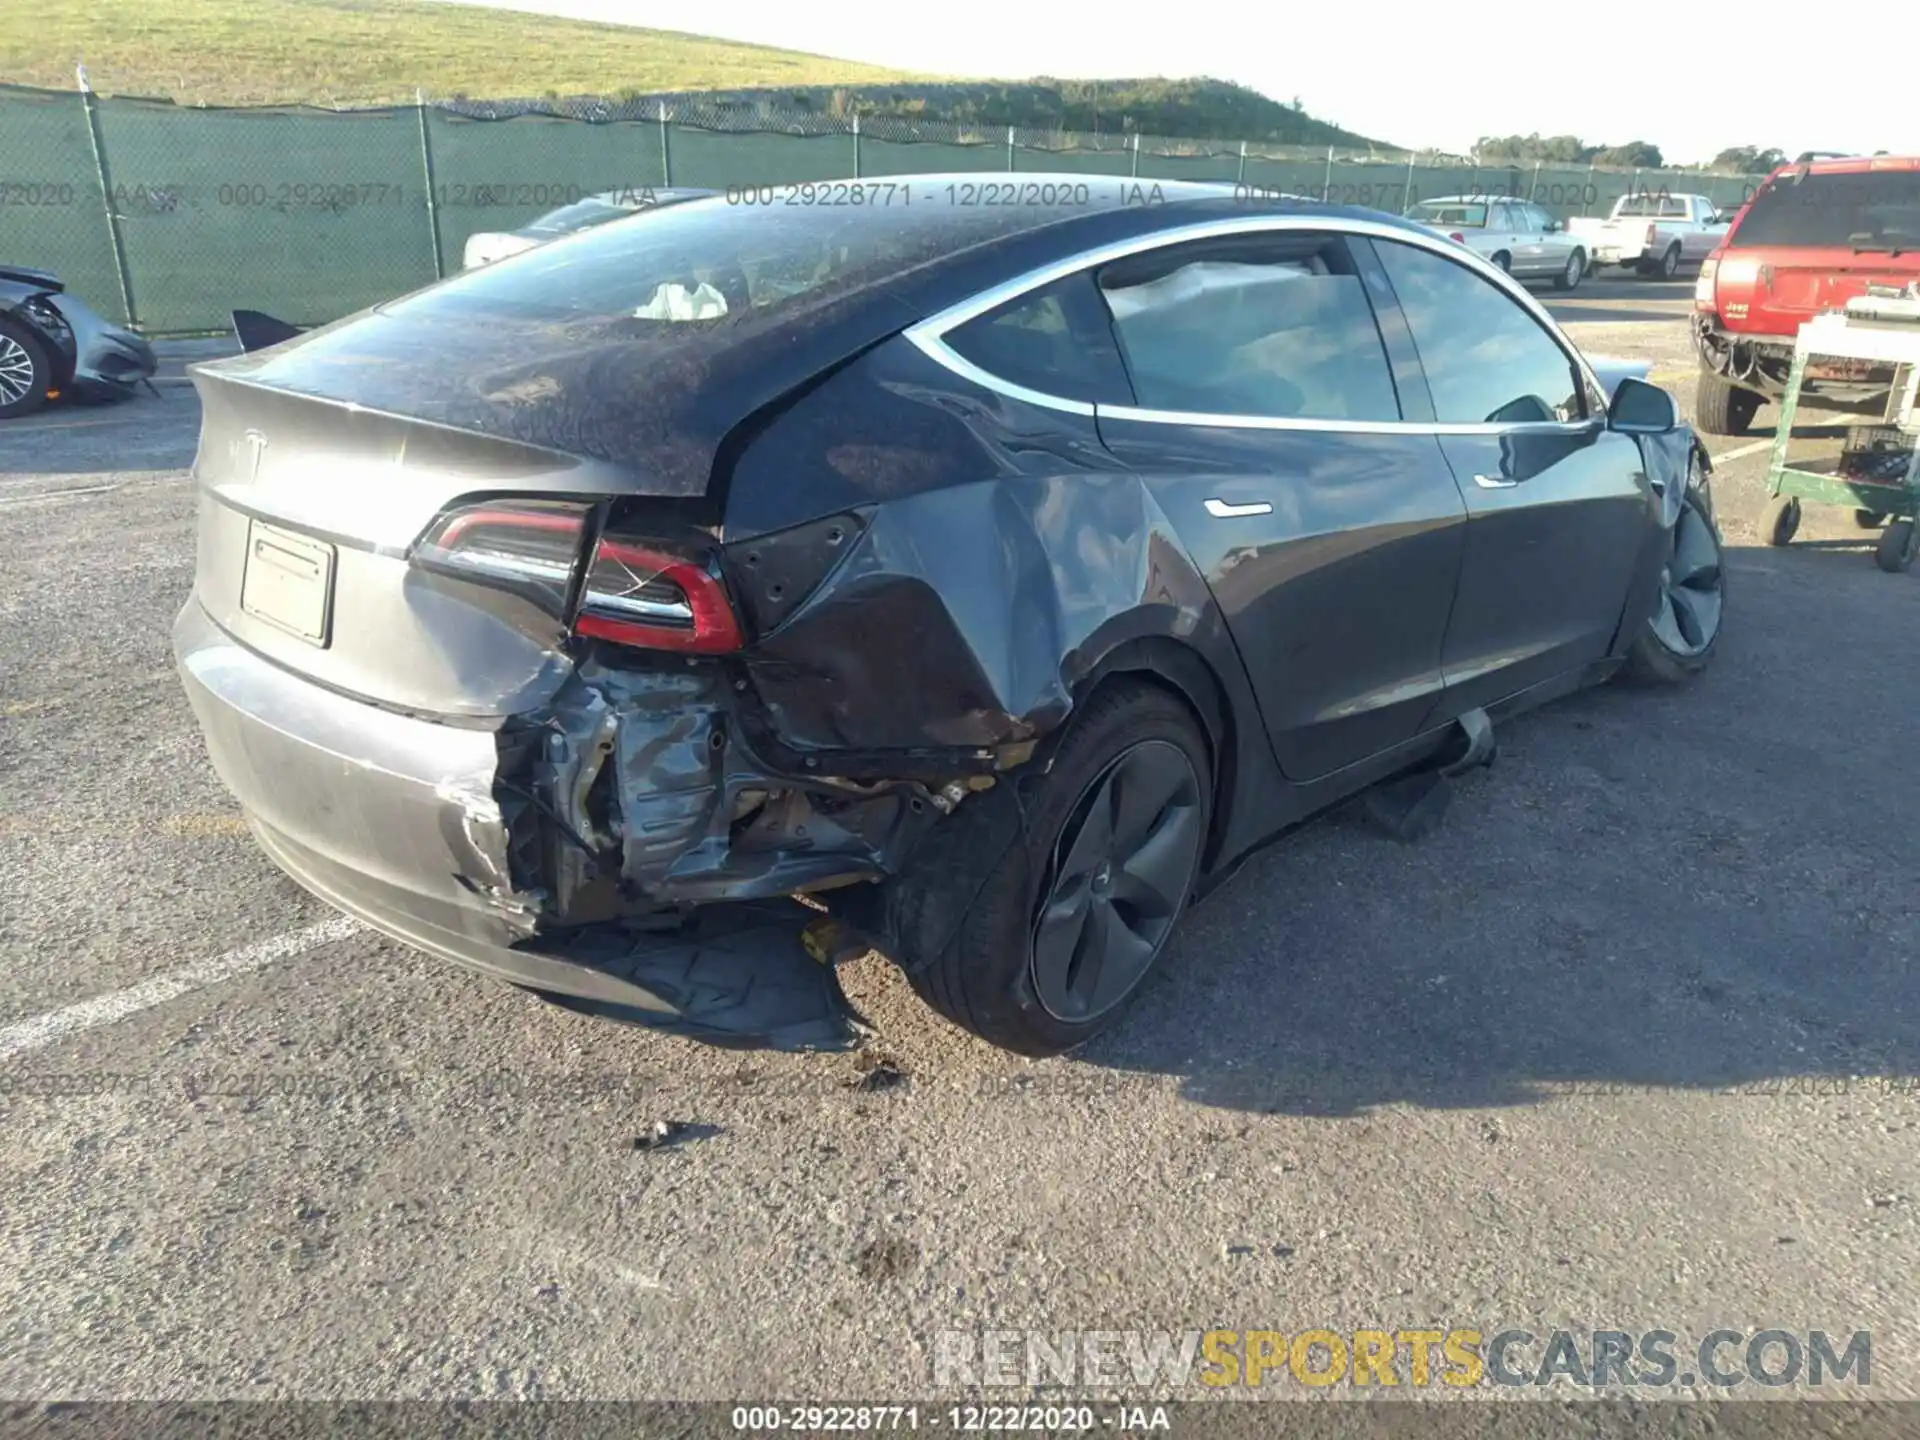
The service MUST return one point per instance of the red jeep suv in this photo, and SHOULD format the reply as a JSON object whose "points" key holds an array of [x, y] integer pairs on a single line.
{"points": [[1812, 237]]}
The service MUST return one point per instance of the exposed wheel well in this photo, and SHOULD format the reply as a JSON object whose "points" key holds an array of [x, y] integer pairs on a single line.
{"points": [[1182, 672]]}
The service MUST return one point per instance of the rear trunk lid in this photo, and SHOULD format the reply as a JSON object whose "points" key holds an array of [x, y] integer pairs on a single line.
{"points": [[308, 509]]}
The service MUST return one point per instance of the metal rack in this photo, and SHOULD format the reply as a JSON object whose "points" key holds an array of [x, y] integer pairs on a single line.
{"points": [[1877, 474]]}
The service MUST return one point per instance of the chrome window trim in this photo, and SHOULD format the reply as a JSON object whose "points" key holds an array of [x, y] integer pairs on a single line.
{"points": [[928, 335]]}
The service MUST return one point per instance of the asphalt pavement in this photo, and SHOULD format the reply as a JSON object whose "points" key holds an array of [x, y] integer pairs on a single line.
{"points": [[1627, 1044]]}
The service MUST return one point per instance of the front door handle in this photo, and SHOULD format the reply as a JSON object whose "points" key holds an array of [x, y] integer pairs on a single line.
{"points": [[1490, 482], [1222, 510]]}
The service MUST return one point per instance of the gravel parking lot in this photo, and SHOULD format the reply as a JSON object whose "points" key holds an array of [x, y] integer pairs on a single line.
{"points": [[1625, 1045]]}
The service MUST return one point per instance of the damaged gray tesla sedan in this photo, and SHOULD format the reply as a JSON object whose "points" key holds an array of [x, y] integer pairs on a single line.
{"points": [[657, 617]]}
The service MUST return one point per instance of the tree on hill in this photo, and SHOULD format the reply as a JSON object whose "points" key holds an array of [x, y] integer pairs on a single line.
{"points": [[1747, 160]]}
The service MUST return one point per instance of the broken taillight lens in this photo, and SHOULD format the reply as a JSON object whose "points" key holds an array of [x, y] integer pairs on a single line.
{"points": [[528, 547], [1703, 287], [655, 594], [641, 594]]}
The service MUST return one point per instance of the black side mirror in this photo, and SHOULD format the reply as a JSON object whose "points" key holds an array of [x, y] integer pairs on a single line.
{"points": [[1639, 408]]}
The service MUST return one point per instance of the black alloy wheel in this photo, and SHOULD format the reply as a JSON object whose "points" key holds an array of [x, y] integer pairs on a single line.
{"points": [[1122, 868]]}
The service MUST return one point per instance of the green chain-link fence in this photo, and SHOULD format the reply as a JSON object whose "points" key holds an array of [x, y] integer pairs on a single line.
{"points": [[168, 217]]}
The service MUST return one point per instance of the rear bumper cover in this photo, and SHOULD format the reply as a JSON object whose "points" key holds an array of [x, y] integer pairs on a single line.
{"points": [[396, 821], [1760, 362]]}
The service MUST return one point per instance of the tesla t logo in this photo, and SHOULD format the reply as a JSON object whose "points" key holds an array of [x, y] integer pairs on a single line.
{"points": [[256, 447]]}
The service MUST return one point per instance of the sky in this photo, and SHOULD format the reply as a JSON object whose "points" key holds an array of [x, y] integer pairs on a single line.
{"points": [[1420, 75]]}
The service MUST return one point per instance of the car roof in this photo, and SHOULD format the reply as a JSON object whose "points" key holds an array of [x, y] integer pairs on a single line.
{"points": [[610, 390], [641, 197], [1850, 165]]}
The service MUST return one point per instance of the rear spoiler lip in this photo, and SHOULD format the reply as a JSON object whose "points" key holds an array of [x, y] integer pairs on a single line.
{"points": [[257, 330]]}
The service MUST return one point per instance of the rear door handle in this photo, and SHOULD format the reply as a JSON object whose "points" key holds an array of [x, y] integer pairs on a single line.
{"points": [[1489, 482], [1221, 510]]}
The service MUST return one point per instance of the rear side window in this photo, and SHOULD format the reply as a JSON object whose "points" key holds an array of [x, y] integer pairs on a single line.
{"points": [[1487, 360], [1865, 210], [1271, 329], [1055, 340]]}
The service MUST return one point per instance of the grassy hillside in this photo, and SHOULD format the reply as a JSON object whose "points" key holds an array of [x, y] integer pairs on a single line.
{"points": [[346, 52], [1201, 109], [243, 52]]}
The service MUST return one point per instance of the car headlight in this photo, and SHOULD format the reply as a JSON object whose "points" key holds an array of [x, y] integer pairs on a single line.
{"points": [[46, 315]]}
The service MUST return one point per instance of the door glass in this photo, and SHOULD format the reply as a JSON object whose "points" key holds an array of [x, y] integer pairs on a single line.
{"points": [[1284, 337], [1487, 360]]}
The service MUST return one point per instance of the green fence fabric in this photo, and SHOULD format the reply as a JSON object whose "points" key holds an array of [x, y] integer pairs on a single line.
{"points": [[501, 174], [52, 214], [307, 214], [310, 214]]}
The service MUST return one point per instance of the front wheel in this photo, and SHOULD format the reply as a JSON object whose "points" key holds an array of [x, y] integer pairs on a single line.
{"points": [[1576, 267], [24, 375], [1678, 639], [1056, 933]]}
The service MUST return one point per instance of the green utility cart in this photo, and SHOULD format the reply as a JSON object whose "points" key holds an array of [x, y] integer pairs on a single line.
{"points": [[1877, 474]]}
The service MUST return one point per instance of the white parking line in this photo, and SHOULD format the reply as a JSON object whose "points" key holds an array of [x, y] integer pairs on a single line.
{"points": [[1744, 450], [118, 1005]]}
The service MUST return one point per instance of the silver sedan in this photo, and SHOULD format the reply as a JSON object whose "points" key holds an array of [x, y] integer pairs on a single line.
{"points": [[1519, 237]]}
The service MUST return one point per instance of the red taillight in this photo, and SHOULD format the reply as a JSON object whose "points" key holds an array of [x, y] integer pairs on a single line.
{"points": [[528, 547], [655, 595], [1703, 287], [1457, 238], [1653, 234], [635, 595]]}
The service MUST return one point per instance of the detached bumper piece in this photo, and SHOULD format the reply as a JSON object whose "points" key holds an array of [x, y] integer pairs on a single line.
{"points": [[737, 976]]}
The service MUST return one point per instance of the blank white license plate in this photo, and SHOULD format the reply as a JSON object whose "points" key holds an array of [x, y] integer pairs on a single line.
{"points": [[288, 581]]}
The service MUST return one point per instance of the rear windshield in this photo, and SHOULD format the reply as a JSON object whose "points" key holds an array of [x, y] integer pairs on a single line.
{"points": [[1866, 210], [1443, 212], [719, 260], [1650, 205], [578, 216]]}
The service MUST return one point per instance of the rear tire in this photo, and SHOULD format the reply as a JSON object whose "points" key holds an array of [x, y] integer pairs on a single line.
{"points": [[1503, 262], [984, 976], [1721, 407], [24, 372], [1669, 265]]}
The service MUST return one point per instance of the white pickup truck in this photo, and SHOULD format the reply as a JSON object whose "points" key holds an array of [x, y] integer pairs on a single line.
{"points": [[1655, 233]]}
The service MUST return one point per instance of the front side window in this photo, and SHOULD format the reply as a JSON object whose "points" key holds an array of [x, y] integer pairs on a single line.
{"points": [[1486, 359], [1267, 327]]}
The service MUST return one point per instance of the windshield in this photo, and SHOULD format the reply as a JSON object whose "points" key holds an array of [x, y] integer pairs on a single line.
{"points": [[1449, 212], [1863, 210], [708, 260]]}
